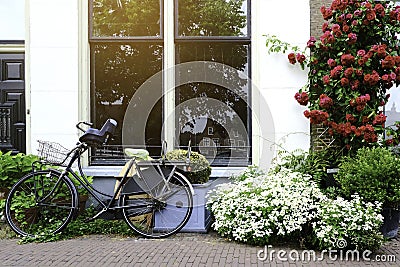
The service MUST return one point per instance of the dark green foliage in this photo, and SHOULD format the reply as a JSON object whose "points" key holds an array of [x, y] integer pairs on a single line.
{"points": [[200, 167], [79, 227], [13, 167], [373, 173]]}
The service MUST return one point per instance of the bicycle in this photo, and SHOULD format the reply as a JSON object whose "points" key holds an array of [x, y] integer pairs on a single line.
{"points": [[155, 199]]}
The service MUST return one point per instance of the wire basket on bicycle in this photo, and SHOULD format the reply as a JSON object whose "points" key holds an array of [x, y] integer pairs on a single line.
{"points": [[52, 152]]}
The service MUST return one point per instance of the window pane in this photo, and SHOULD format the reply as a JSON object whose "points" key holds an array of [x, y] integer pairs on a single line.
{"points": [[119, 70], [122, 18], [212, 18], [213, 112], [392, 108]]}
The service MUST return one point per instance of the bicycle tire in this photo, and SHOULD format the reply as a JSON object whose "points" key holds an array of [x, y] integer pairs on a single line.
{"points": [[41, 203], [160, 213]]}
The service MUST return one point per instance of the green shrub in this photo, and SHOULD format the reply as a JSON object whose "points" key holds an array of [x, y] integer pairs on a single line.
{"points": [[79, 227], [313, 163], [373, 173], [200, 167], [13, 167]]}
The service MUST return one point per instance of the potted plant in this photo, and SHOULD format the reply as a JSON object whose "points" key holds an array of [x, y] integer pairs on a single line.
{"points": [[198, 174], [374, 174]]}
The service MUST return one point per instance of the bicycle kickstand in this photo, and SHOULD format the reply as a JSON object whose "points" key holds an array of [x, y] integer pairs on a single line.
{"points": [[95, 216]]}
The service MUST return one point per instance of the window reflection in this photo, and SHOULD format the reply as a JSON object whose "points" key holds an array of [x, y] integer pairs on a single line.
{"points": [[212, 18], [392, 108], [119, 70], [122, 18], [214, 117]]}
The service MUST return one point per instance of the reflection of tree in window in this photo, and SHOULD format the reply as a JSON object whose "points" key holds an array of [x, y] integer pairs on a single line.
{"points": [[211, 18], [212, 22], [120, 18], [119, 72]]}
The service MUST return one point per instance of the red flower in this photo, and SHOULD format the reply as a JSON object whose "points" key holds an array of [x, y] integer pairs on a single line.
{"points": [[325, 101], [348, 72], [361, 53], [292, 58], [346, 28], [370, 137], [311, 42], [302, 98], [379, 119], [352, 38], [335, 28], [397, 60], [355, 84], [389, 62], [389, 142], [380, 50], [335, 73], [344, 81], [326, 12], [371, 79], [331, 62], [380, 10], [326, 79], [327, 38], [347, 59], [360, 108], [317, 116], [371, 15], [300, 58], [350, 118], [357, 13], [325, 27]]}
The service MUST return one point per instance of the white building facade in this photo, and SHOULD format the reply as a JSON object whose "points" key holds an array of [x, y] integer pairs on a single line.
{"points": [[168, 70]]}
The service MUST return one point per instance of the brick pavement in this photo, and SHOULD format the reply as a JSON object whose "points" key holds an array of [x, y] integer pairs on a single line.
{"points": [[184, 249]]}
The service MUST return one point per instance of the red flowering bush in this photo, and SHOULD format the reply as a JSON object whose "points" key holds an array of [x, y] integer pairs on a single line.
{"points": [[353, 64]]}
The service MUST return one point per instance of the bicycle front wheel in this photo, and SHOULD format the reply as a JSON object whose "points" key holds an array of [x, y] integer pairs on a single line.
{"points": [[41, 203], [161, 212]]}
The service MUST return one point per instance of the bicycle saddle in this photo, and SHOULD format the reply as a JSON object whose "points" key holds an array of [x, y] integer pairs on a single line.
{"points": [[94, 136]]}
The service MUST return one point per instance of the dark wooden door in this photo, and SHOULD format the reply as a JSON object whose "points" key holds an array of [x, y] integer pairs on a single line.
{"points": [[12, 103]]}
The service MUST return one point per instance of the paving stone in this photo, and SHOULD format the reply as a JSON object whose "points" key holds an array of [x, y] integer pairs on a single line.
{"points": [[183, 249]]}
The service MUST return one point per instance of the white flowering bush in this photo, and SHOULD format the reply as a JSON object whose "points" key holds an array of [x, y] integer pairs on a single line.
{"points": [[258, 209], [344, 224]]}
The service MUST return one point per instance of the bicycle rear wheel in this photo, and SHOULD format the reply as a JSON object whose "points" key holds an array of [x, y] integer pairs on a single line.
{"points": [[41, 203], [161, 212]]}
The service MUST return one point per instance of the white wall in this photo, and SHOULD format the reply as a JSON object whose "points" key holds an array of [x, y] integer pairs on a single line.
{"points": [[12, 20], [52, 63], [278, 80]]}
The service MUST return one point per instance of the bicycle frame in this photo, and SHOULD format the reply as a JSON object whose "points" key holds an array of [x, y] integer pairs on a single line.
{"points": [[110, 205]]}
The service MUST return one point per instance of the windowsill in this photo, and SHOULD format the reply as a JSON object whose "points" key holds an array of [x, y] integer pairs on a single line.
{"points": [[113, 171]]}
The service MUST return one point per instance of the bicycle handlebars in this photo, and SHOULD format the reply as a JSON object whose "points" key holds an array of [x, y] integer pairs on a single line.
{"points": [[78, 125]]}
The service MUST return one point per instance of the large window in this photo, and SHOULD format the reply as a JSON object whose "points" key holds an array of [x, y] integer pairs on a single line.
{"points": [[128, 46]]}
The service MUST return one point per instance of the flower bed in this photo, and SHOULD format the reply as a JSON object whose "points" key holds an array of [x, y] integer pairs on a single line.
{"points": [[262, 209]]}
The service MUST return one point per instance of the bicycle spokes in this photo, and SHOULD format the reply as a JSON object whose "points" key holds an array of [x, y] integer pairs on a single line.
{"points": [[167, 210], [40, 203]]}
